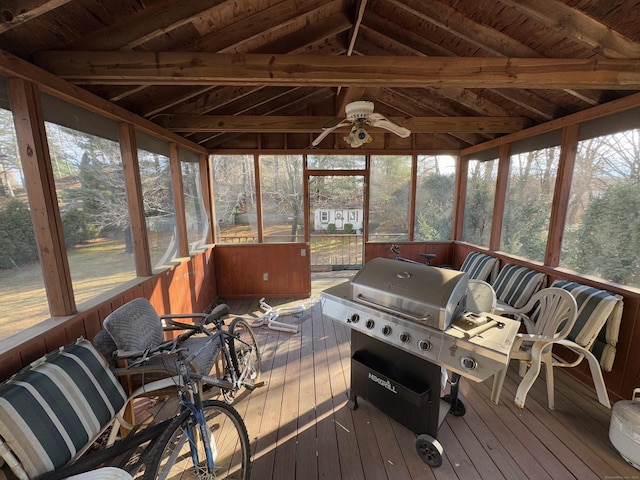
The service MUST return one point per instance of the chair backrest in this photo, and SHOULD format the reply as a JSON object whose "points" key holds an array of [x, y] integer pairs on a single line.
{"points": [[598, 322], [135, 326], [515, 284], [480, 266], [480, 297], [555, 312], [55, 407]]}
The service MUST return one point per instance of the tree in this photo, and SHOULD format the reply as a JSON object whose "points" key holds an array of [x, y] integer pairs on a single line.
{"points": [[609, 235]]}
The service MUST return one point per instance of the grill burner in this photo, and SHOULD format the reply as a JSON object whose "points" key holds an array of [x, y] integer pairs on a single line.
{"points": [[405, 323]]}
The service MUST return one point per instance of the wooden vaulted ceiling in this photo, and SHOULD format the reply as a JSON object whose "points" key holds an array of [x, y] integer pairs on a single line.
{"points": [[231, 74]]}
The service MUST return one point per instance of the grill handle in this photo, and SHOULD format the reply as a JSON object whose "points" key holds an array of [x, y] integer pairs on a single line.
{"points": [[384, 308]]}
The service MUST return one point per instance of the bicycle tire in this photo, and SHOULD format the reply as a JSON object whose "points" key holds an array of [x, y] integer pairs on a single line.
{"points": [[171, 458], [241, 330]]}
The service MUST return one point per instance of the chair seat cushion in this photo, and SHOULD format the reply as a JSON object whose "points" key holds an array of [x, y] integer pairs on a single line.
{"points": [[52, 409], [515, 285], [597, 326], [480, 266]]}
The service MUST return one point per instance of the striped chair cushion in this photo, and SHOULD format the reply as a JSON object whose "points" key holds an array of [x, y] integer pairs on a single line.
{"points": [[480, 266], [52, 409], [598, 324], [515, 285]]}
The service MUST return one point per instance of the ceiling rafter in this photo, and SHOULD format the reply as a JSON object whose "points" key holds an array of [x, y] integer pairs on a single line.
{"points": [[17, 12]]}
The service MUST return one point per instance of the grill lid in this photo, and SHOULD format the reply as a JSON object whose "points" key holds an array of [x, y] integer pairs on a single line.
{"points": [[430, 295]]}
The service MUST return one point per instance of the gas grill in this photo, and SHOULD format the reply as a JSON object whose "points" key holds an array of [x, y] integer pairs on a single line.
{"points": [[408, 322]]}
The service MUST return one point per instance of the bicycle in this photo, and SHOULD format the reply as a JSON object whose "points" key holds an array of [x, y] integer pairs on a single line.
{"points": [[240, 355], [207, 439], [395, 249]]}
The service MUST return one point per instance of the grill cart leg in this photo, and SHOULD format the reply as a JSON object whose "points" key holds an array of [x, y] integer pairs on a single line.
{"points": [[457, 407]]}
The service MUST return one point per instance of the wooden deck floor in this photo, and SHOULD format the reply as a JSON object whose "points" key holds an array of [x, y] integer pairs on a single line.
{"points": [[301, 428]]}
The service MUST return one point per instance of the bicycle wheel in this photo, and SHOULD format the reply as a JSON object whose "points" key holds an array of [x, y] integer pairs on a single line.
{"points": [[245, 355], [172, 457]]}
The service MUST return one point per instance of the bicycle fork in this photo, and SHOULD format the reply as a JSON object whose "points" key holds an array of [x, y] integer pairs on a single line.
{"points": [[201, 427]]}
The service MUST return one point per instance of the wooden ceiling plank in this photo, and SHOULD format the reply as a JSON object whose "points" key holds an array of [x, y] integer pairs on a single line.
{"points": [[135, 30], [312, 37], [263, 21], [451, 20], [188, 68], [17, 12], [580, 28], [486, 38], [306, 124]]}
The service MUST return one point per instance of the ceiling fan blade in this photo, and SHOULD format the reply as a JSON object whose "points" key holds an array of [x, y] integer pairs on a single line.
{"points": [[328, 129], [380, 121]]}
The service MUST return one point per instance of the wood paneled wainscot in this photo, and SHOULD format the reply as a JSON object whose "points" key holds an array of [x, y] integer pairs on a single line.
{"points": [[276, 270]]}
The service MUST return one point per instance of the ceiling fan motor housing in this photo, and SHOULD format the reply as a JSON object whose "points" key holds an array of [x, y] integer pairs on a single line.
{"points": [[359, 109]]}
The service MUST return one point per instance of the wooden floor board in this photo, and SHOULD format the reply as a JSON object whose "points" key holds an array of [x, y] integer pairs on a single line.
{"points": [[301, 427]]}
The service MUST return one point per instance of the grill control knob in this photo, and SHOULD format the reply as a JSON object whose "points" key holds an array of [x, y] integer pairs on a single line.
{"points": [[424, 345], [405, 337], [468, 363], [355, 318], [386, 330], [370, 324]]}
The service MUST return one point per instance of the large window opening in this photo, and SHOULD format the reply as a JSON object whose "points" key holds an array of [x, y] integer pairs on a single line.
{"points": [[390, 180], [529, 198], [435, 185], [478, 208], [602, 230]]}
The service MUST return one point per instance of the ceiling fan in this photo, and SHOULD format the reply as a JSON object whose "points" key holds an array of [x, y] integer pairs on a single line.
{"points": [[360, 115]]}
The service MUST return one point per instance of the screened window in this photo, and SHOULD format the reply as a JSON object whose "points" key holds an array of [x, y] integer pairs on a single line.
{"points": [[281, 186], [336, 162], [235, 198], [89, 181], [389, 198], [435, 184], [195, 212], [525, 227], [157, 194], [23, 301], [478, 210], [602, 232]]}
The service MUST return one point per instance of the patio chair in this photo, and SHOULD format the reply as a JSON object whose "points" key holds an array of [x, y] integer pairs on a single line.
{"points": [[595, 333], [480, 266], [136, 326], [515, 285], [556, 311]]}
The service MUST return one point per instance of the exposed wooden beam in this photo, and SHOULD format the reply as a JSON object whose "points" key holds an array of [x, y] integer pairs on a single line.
{"points": [[291, 124], [187, 68], [17, 12], [580, 28]]}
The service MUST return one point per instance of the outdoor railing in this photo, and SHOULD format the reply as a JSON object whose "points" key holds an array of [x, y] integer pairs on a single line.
{"points": [[326, 250]]}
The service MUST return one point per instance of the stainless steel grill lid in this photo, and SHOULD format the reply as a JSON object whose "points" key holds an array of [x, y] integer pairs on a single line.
{"points": [[429, 295]]}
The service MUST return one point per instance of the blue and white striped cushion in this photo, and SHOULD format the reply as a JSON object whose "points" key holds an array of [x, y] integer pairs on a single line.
{"points": [[52, 409], [598, 322], [515, 285], [480, 266]]}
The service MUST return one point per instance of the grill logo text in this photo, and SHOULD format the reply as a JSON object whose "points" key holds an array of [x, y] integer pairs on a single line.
{"points": [[385, 383]]}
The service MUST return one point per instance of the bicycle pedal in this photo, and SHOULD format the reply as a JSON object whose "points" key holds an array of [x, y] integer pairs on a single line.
{"points": [[255, 385]]}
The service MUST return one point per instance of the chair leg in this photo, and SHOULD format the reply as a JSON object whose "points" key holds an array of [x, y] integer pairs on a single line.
{"points": [[529, 378], [598, 380], [547, 358], [498, 381]]}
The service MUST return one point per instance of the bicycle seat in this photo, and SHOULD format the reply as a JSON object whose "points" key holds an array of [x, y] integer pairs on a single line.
{"points": [[428, 257]]}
